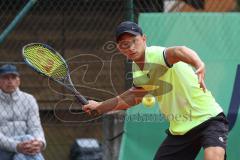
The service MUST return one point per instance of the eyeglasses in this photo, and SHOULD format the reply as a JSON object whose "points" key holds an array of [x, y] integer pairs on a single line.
{"points": [[127, 44]]}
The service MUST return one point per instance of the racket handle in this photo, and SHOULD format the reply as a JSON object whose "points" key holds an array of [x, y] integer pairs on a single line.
{"points": [[81, 99]]}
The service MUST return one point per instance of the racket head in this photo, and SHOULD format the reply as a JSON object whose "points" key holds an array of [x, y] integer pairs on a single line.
{"points": [[48, 62], [45, 60]]}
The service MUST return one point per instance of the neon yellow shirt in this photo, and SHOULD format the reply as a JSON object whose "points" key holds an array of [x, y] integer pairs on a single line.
{"points": [[177, 90]]}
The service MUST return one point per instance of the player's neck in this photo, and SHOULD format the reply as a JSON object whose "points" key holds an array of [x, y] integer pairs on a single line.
{"points": [[140, 62]]}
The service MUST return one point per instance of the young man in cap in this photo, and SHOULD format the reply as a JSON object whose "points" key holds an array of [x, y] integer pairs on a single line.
{"points": [[179, 90], [21, 133]]}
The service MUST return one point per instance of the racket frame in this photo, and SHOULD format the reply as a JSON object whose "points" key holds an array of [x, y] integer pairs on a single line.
{"points": [[81, 99]]}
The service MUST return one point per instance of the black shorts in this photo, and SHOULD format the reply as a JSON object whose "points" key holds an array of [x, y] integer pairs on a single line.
{"points": [[210, 133]]}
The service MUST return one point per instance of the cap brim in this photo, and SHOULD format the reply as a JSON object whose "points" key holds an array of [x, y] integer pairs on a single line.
{"points": [[15, 73], [130, 32]]}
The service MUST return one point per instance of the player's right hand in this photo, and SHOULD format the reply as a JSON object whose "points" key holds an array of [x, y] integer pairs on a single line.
{"points": [[92, 106]]}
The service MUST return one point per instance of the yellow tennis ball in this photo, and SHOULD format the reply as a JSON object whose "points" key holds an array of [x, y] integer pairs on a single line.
{"points": [[148, 100]]}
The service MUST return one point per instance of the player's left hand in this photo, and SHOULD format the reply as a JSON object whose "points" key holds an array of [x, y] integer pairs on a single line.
{"points": [[200, 71]]}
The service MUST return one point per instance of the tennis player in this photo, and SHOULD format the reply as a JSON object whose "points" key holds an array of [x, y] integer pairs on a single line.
{"points": [[182, 92]]}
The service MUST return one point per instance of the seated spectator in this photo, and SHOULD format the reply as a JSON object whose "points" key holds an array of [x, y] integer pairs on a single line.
{"points": [[21, 133]]}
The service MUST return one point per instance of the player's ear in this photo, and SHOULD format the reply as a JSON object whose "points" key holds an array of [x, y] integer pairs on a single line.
{"points": [[144, 37], [117, 45]]}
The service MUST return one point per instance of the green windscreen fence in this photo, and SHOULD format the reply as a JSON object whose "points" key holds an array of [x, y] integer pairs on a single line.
{"points": [[216, 38]]}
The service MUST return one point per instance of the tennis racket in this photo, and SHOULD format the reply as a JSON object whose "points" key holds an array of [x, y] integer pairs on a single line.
{"points": [[48, 62]]}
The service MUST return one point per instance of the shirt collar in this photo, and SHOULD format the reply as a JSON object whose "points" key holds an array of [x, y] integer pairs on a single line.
{"points": [[12, 96]]}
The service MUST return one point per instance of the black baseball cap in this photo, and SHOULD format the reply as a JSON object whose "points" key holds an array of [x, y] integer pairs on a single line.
{"points": [[128, 27], [8, 69]]}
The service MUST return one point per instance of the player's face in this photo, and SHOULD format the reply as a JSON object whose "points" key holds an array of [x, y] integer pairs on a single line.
{"points": [[132, 46], [9, 83]]}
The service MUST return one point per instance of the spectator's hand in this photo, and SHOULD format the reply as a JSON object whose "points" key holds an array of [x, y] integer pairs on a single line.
{"points": [[36, 147], [200, 71], [31, 147], [22, 147], [91, 107]]}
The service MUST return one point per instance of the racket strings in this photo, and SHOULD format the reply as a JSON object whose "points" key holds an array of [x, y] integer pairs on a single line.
{"points": [[46, 62]]}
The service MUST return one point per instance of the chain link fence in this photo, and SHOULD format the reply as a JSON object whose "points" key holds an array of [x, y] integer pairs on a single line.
{"points": [[83, 32]]}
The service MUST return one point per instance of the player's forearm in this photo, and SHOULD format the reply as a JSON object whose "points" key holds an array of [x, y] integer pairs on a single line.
{"points": [[115, 103], [124, 101], [184, 54]]}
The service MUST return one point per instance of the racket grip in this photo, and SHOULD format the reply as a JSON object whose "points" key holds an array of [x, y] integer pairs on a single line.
{"points": [[81, 99]]}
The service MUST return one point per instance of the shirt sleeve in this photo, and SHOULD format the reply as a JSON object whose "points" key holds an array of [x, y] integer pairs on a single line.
{"points": [[8, 143], [157, 55]]}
